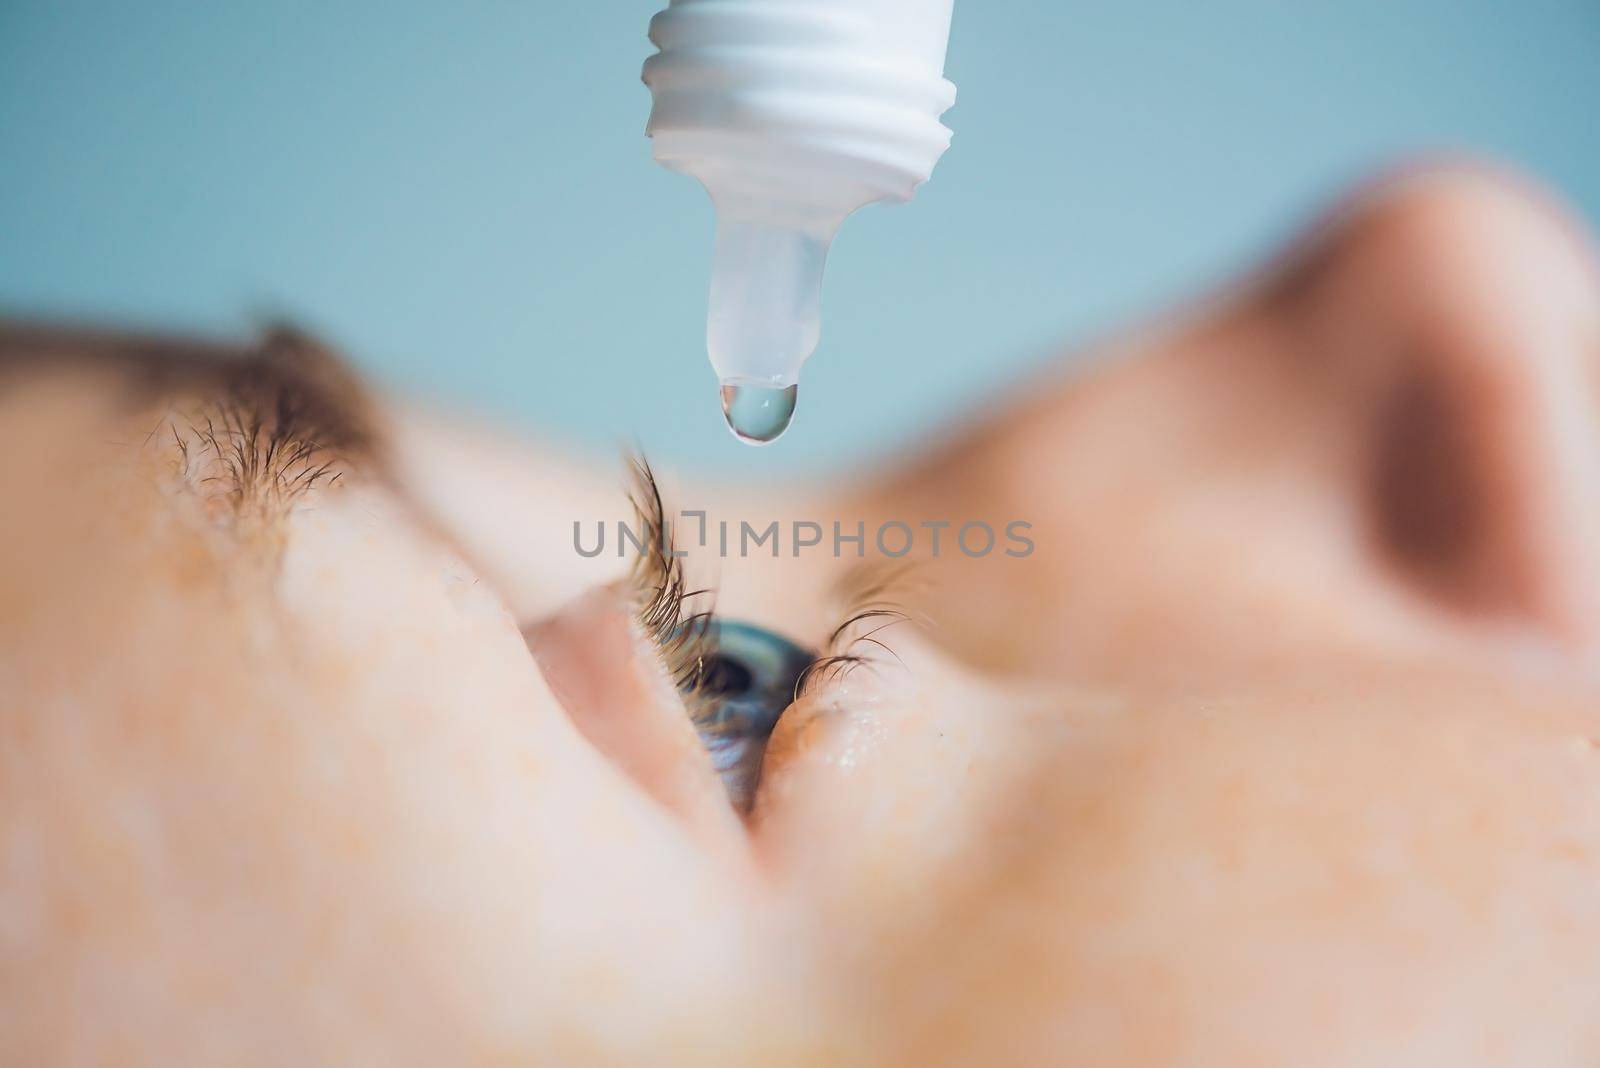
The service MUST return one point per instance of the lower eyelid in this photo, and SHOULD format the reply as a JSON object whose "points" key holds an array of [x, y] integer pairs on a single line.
{"points": [[839, 717], [822, 728]]}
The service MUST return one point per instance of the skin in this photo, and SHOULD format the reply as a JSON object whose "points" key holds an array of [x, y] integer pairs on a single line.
{"points": [[1281, 747]]}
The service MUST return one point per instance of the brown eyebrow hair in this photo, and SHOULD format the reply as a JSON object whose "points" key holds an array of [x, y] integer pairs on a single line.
{"points": [[284, 376], [275, 416]]}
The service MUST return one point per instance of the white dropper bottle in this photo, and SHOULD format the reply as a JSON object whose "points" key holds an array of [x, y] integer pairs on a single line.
{"points": [[792, 114]]}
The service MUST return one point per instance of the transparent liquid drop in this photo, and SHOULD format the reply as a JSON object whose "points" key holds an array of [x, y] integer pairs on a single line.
{"points": [[758, 414]]}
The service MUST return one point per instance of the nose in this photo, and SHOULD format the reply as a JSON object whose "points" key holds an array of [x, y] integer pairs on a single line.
{"points": [[1458, 311]]}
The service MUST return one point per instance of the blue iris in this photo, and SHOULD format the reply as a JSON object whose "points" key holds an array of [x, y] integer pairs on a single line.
{"points": [[744, 687]]}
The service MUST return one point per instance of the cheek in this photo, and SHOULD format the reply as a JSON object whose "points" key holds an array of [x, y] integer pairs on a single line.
{"points": [[878, 793], [373, 798]]}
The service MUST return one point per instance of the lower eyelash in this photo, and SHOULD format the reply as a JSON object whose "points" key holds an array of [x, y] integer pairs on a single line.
{"points": [[866, 591], [833, 667]]}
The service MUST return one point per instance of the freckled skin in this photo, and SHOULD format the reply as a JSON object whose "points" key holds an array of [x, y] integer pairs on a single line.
{"points": [[1282, 747]]}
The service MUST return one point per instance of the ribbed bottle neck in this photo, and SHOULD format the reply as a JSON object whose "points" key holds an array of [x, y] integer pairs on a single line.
{"points": [[823, 102]]}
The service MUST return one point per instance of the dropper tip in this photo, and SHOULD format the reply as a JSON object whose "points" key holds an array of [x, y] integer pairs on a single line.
{"points": [[757, 413]]}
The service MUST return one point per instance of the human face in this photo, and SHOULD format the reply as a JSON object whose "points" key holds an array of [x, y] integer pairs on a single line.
{"points": [[321, 742]]}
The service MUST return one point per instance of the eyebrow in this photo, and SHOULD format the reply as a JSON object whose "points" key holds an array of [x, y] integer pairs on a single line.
{"points": [[284, 375], [277, 415]]}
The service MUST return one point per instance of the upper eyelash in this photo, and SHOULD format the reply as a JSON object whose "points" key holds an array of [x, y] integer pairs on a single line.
{"points": [[683, 639]]}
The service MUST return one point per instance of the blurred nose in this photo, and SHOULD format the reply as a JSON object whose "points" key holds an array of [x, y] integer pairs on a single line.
{"points": [[1459, 311]]}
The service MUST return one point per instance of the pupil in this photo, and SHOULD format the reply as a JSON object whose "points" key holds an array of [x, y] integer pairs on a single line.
{"points": [[725, 677]]}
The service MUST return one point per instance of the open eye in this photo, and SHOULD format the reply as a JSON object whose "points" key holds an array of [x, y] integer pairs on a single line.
{"points": [[744, 684]]}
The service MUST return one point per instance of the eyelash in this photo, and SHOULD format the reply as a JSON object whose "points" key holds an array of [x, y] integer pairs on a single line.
{"points": [[866, 591], [684, 639], [681, 638]]}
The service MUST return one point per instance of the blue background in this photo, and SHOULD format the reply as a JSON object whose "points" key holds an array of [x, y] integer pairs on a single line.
{"points": [[461, 194]]}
